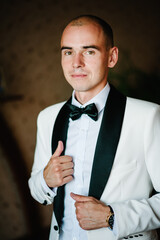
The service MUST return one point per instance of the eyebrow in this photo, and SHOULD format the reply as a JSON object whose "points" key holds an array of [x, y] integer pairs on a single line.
{"points": [[91, 46], [84, 47], [63, 48]]}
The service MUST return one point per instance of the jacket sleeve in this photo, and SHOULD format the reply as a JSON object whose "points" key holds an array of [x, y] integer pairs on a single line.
{"points": [[134, 216], [38, 187]]}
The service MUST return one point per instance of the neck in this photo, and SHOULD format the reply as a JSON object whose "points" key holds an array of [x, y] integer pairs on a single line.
{"points": [[84, 97]]}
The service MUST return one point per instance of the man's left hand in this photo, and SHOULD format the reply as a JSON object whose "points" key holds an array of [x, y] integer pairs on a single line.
{"points": [[90, 212]]}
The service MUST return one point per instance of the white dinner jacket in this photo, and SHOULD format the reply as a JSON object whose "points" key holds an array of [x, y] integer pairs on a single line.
{"points": [[135, 172]]}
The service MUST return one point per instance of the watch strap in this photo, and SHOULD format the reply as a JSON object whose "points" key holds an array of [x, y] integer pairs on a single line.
{"points": [[110, 218]]}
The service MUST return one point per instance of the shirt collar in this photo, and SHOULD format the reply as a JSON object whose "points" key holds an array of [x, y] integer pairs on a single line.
{"points": [[99, 99]]}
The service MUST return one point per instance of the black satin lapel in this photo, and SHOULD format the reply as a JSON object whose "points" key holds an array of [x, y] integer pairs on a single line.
{"points": [[60, 133], [61, 127], [107, 142]]}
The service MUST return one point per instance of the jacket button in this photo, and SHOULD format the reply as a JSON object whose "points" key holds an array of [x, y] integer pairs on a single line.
{"points": [[44, 203], [56, 228], [48, 194]]}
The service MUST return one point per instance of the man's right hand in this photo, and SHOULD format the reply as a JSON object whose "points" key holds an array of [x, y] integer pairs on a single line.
{"points": [[59, 169]]}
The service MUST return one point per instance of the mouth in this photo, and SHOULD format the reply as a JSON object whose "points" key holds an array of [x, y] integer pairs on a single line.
{"points": [[80, 75]]}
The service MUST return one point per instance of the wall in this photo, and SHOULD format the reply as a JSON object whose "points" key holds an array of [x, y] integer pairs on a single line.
{"points": [[31, 79]]}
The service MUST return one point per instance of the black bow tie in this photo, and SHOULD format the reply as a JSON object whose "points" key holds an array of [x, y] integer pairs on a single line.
{"points": [[90, 110]]}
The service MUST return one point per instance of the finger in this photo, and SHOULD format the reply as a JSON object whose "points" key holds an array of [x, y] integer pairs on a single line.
{"points": [[65, 159], [67, 179], [59, 149], [80, 198], [67, 165], [68, 172]]}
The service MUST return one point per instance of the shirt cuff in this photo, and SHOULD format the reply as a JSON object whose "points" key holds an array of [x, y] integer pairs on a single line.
{"points": [[114, 226]]}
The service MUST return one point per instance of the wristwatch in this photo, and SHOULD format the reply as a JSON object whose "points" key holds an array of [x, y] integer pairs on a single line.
{"points": [[110, 218]]}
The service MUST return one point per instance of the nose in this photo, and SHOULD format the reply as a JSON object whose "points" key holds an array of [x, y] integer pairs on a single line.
{"points": [[78, 61]]}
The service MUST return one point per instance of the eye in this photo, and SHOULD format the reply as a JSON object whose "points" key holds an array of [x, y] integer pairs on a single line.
{"points": [[90, 52], [68, 53]]}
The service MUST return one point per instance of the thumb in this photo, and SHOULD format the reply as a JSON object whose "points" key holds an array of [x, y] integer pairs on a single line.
{"points": [[59, 149], [80, 198]]}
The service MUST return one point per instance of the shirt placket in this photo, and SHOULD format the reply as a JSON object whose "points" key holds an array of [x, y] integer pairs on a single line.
{"points": [[83, 125]]}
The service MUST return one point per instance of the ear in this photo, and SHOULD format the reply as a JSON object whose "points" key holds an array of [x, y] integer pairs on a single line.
{"points": [[113, 57]]}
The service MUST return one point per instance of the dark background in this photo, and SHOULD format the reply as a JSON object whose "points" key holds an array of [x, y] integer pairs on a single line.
{"points": [[31, 79]]}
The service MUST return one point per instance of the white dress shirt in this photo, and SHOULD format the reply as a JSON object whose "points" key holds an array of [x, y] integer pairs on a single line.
{"points": [[80, 145]]}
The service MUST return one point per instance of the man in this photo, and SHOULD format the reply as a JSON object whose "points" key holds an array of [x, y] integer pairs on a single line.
{"points": [[105, 147]]}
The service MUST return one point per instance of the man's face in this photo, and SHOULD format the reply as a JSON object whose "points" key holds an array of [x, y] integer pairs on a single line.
{"points": [[85, 58]]}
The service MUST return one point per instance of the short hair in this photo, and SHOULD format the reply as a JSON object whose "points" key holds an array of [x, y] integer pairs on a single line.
{"points": [[107, 30]]}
